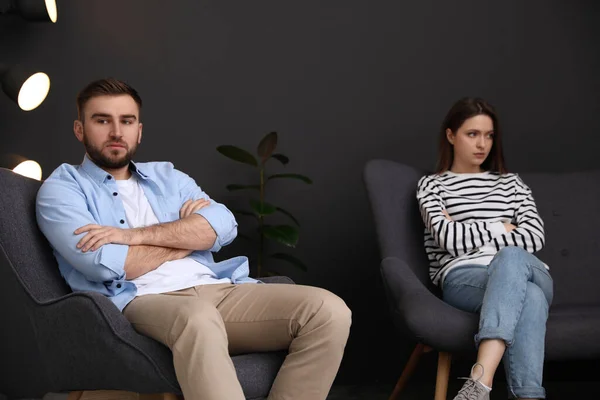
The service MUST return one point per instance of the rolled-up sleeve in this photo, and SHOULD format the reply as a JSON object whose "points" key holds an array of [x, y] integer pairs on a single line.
{"points": [[218, 216], [61, 208]]}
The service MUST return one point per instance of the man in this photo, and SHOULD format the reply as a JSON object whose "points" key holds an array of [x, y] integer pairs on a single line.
{"points": [[143, 234]]}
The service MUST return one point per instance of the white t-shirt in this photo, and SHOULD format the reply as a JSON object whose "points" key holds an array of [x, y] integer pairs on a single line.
{"points": [[171, 275]]}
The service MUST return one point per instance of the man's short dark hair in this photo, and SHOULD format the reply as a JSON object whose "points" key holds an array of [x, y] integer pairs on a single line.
{"points": [[105, 87]]}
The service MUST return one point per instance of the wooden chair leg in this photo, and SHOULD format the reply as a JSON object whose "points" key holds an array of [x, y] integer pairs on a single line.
{"points": [[75, 395], [160, 396], [443, 374], [409, 368]]}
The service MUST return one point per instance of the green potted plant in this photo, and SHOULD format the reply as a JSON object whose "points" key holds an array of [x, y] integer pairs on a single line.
{"points": [[260, 209]]}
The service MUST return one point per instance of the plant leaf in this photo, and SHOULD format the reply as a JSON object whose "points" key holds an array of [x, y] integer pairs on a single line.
{"points": [[303, 178], [284, 234], [281, 158], [291, 259], [237, 154], [244, 212], [235, 186], [281, 210], [267, 146], [262, 209]]}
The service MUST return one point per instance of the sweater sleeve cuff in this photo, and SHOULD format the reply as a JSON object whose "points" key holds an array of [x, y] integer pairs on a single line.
{"points": [[497, 228]]}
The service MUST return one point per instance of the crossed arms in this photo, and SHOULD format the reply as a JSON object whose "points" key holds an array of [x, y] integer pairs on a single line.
{"points": [[151, 246], [69, 218], [459, 238]]}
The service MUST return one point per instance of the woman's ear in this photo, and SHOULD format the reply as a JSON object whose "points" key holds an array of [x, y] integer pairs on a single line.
{"points": [[450, 136]]}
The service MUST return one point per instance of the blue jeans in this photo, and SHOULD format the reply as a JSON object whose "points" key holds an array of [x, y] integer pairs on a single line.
{"points": [[512, 296]]}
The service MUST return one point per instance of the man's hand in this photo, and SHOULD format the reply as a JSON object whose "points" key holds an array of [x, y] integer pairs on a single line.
{"points": [[447, 215], [190, 207], [98, 235]]}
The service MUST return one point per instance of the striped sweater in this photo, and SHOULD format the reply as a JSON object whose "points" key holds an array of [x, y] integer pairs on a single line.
{"points": [[479, 205]]}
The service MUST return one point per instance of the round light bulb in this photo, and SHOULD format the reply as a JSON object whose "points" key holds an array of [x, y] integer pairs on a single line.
{"points": [[52, 11], [34, 91], [30, 169]]}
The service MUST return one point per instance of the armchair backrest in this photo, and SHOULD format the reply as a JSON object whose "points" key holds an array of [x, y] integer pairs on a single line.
{"points": [[569, 204], [29, 275], [25, 254], [392, 189]]}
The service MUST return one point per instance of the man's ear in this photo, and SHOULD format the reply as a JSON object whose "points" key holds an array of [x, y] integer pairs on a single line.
{"points": [[78, 130], [450, 136], [140, 126]]}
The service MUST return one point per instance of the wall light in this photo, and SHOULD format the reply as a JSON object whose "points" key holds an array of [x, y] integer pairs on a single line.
{"points": [[31, 10], [25, 87], [21, 166]]}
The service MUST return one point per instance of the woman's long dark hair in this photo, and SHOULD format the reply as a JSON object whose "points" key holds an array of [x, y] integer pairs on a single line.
{"points": [[461, 111]]}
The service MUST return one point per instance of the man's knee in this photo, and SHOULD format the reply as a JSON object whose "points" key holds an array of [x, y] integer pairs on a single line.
{"points": [[334, 311]]}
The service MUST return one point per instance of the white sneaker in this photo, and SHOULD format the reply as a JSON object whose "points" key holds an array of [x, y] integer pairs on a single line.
{"points": [[473, 389]]}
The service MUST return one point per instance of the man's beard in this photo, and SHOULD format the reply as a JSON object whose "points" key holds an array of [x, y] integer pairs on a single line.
{"points": [[109, 162]]}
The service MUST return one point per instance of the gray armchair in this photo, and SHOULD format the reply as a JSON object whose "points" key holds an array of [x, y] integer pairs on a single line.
{"points": [[569, 204], [54, 340]]}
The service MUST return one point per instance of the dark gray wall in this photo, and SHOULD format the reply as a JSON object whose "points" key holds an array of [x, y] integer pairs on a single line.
{"points": [[342, 82]]}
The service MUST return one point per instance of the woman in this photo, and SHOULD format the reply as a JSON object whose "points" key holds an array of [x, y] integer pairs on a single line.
{"points": [[482, 228]]}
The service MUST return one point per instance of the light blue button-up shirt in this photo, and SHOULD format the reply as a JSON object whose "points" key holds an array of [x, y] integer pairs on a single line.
{"points": [[74, 196]]}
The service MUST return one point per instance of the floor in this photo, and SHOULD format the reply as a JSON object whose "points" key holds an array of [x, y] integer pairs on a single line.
{"points": [[419, 390], [416, 391], [425, 390]]}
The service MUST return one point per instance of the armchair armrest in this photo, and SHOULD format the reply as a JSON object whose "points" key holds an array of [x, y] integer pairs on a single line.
{"points": [[88, 343], [277, 279], [427, 317]]}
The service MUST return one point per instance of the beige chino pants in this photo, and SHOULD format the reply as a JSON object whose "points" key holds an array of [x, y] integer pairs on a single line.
{"points": [[206, 324]]}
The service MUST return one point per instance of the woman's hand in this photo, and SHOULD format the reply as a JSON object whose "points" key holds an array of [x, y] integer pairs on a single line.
{"points": [[508, 226], [447, 215]]}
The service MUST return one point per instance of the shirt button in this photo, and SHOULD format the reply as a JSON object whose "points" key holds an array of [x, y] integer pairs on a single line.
{"points": [[115, 193], [122, 221], [118, 286], [109, 177]]}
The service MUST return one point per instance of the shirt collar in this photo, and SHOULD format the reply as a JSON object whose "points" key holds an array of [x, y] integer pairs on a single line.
{"points": [[101, 176]]}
